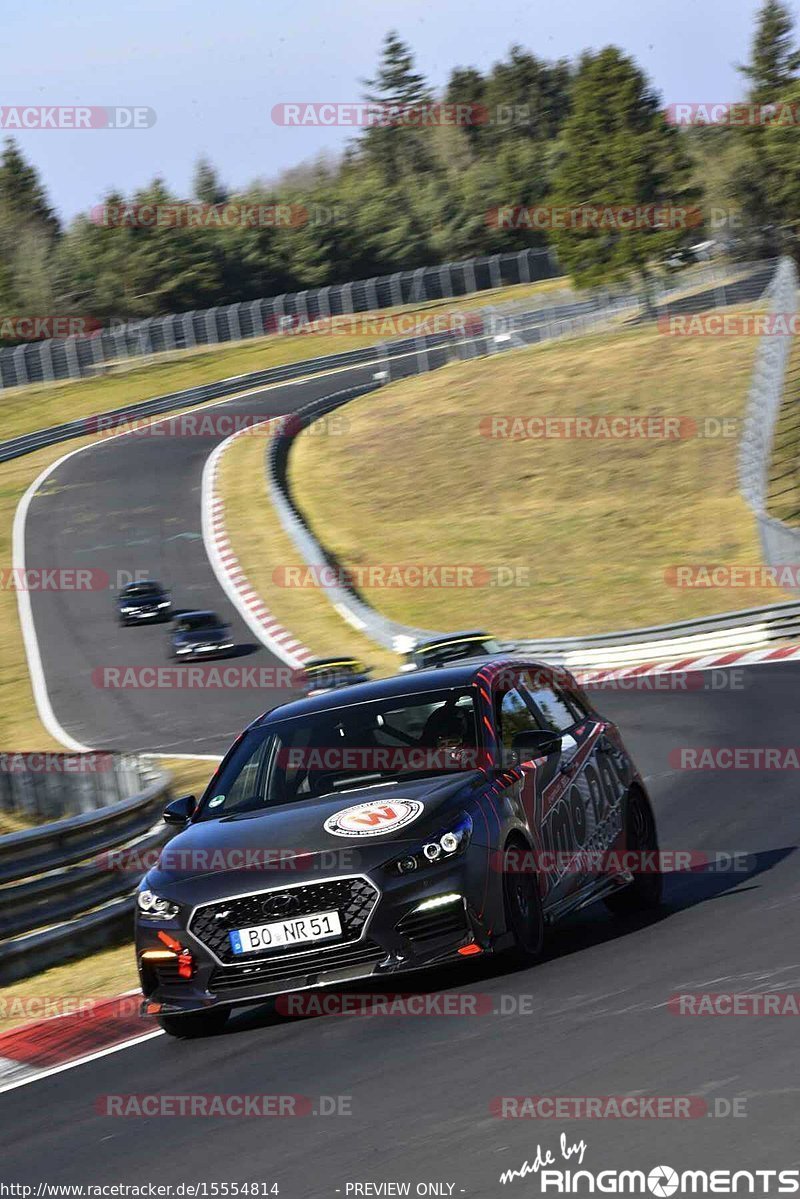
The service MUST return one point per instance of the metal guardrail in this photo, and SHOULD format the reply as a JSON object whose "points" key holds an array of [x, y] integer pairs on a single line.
{"points": [[61, 895], [780, 542], [35, 850], [39, 787], [81, 357], [27, 443]]}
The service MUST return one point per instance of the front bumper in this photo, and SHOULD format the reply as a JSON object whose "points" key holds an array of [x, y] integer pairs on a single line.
{"points": [[389, 936], [193, 652]]}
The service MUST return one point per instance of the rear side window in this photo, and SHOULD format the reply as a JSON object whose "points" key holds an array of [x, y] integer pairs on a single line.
{"points": [[551, 704], [514, 716]]}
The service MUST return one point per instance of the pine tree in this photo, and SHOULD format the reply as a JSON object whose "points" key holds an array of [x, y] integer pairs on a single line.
{"points": [[618, 151], [21, 191], [399, 146], [774, 59], [206, 184]]}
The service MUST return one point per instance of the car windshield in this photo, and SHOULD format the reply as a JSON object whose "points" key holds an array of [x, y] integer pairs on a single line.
{"points": [[452, 651], [142, 591], [198, 620], [321, 753]]}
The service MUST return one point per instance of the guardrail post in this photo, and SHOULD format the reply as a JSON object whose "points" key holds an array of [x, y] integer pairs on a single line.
{"points": [[212, 332], [20, 365], [187, 327], [46, 358], [494, 270], [418, 285], [234, 327]]}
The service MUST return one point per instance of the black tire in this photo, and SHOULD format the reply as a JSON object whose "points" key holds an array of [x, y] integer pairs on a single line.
{"points": [[523, 908], [644, 894], [195, 1024]]}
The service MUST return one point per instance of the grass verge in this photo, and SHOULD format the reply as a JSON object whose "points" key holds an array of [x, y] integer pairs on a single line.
{"points": [[265, 551], [589, 528]]}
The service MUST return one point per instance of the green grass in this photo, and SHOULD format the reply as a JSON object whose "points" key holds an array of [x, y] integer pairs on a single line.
{"points": [[590, 526]]}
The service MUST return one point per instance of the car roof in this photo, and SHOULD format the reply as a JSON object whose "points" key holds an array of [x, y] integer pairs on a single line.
{"points": [[452, 639], [153, 584], [460, 674], [197, 612]]}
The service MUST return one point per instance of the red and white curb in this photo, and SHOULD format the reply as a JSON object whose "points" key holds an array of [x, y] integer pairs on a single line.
{"points": [[95, 1028], [695, 663], [228, 569]]}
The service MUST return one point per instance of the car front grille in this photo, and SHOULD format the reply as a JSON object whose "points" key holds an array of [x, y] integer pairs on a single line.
{"points": [[353, 898], [429, 926], [301, 969]]}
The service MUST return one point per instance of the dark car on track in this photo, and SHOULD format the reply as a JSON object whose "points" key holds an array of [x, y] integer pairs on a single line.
{"points": [[387, 826], [455, 647], [328, 674], [143, 603], [200, 635]]}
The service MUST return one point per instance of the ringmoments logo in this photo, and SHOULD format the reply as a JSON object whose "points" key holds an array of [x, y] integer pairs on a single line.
{"points": [[662, 1181]]}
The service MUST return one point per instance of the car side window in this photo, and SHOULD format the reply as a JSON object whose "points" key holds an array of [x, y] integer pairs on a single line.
{"points": [[514, 716], [552, 705]]}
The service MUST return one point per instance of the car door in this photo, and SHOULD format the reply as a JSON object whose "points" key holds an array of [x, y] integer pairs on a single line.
{"points": [[582, 805], [515, 713]]}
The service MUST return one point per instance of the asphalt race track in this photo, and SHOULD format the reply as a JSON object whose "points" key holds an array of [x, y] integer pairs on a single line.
{"points": [[596, 1023], [132, 504]]}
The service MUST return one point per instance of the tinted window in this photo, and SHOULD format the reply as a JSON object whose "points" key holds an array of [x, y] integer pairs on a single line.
{"points": [[189, 623], [515, 717], [551, 703], [324, 752]]}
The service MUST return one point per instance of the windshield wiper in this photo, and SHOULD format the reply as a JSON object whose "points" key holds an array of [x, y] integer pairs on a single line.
{"points": [[355, 780]]}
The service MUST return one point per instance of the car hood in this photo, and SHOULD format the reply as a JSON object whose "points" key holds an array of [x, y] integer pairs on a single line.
{"points": [[291, 844]]}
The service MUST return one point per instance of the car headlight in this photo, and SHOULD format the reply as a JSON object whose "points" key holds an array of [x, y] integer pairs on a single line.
{"points": [[154, 907], [446, 845], [164, 603]]}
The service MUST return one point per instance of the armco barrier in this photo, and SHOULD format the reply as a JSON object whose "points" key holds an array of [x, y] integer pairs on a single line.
{"points": [[80, 357], [39, 787], [780, 542], [60, 896]]}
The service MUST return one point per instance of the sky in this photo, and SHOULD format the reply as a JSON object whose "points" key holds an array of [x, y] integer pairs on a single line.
{"points": [[212, 71]]}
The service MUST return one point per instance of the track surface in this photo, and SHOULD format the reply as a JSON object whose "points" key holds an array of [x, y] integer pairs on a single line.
{"points": [[421, 1087], [131, 504]]}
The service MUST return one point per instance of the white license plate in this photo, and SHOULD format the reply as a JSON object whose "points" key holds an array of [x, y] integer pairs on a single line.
{"points": [[286, 932]]}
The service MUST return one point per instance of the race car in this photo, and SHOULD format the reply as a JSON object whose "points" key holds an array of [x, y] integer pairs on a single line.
{"points": [[326, 674], [437, 651], [200, 635], [392, 825], [140, 603]]}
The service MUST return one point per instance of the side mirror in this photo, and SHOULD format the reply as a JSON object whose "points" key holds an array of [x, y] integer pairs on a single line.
{"points": [[180, 811], [535, 743]]}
